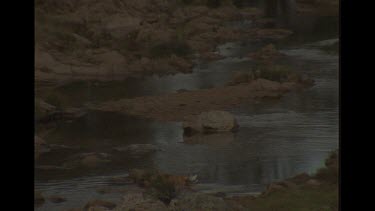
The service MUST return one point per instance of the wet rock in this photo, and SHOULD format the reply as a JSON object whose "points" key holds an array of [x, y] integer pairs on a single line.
{"points": [[147, 178], [138, 149], [43, 109], [56, 199], [210, 122], [182, 90], [198, 201], [120, 180], [238, 78], [89, 160], [38, 199], [300, 79], [216, 139], [273, 187], [99, 205], [139, 202], [313, 182], [40, 147], [50, 168], [75, 209], [300, 178], [306, 80], [287, 184], [332, 160], [287, 86], [81, 40], [264, 84], [55, 115], [270, 34]]}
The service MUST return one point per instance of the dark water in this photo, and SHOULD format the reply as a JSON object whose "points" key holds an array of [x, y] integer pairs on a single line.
{"points": [[276, 140]]}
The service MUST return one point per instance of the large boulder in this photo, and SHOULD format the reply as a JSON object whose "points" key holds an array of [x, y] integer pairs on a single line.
{"points": [[210, 122]]}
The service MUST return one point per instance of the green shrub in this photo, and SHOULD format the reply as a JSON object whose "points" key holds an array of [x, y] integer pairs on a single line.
{"points": [[163, 189], [275, 72]]}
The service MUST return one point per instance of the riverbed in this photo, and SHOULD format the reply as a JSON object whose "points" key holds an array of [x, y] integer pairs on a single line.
{"points": [[277, 138]]}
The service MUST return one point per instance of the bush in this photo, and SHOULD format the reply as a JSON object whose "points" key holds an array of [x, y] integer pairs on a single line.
{"points": [[163, 189], [275, 72]]}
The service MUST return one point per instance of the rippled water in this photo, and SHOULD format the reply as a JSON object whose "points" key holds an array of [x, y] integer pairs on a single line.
{"points": [[276, 140]]}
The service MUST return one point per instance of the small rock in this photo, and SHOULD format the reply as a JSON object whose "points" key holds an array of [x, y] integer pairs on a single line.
{"points": [[239, 78], [92, 160], [95, 204], [287, 184], [38, 199], [274, 187], [182, 90], [56, 199]]}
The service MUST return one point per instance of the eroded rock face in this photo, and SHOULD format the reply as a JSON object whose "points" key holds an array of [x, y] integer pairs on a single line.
{"points": [[211, 122]]}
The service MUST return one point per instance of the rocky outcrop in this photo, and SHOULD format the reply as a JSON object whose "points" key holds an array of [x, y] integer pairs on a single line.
{"points": [[211, 122]]}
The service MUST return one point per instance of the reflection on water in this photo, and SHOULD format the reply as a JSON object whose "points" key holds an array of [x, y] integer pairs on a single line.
{"points": [[276, 139]]}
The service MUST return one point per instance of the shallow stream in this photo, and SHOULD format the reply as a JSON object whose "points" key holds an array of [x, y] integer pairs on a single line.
{"points": [[277, 138]]}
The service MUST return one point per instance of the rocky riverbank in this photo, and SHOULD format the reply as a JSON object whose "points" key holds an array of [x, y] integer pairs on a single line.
{"points": [[161, 191], [83, 40]]}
